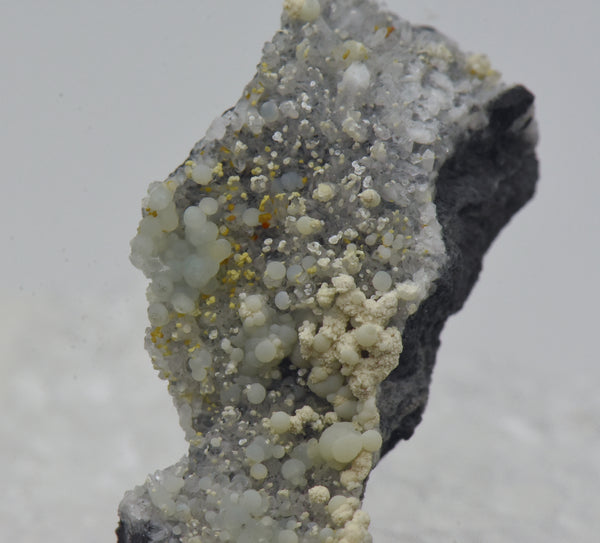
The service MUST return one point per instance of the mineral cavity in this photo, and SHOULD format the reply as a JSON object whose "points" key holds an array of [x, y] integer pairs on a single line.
{"points": [[285, 258]]}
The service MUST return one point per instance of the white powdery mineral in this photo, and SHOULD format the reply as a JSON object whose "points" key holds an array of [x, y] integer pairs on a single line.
{"points": [[284, 257]]}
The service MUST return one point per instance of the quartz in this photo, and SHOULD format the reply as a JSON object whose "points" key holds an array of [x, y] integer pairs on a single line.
{"points": [[302, 263]]}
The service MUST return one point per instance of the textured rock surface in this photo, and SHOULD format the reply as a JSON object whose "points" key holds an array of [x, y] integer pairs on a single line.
{"points": [[303, 261], [490, 176]]}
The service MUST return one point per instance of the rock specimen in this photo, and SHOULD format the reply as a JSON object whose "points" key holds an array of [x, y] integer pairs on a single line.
{"points": [[303, 261]]}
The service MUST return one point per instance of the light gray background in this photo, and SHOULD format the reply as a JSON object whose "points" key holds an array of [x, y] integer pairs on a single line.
{"points": [[97, 99]]}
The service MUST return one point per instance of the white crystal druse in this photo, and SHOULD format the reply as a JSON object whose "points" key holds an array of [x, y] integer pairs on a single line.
{"points": [[285, 257]]}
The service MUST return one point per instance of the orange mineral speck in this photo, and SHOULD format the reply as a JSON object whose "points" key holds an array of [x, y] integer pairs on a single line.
{"points": [[265, 219], [390, 29]]}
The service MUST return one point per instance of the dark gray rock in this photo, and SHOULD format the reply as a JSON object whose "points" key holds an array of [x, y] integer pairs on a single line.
{"points": [[491, 175]]}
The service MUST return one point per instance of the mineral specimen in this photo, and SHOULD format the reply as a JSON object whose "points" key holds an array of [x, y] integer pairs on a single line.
{"points": [[303, 261]]}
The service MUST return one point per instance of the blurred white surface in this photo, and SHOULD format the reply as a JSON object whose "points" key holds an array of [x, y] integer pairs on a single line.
{"points": [[99, 99]]}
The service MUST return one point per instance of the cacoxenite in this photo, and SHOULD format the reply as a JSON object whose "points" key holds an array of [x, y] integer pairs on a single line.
{"points": [[302, 263]]}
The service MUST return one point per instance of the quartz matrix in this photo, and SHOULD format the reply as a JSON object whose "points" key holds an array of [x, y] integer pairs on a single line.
{"points": [[285, 258]]}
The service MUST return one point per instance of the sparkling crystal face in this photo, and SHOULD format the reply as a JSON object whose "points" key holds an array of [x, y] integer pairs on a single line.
{"points": [[284, 257]]}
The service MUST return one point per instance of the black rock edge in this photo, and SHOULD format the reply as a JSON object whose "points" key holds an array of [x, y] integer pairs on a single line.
{"points": [[490, 176]]}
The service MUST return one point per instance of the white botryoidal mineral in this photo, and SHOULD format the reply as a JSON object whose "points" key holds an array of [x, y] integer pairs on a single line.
{"points": [[285, 257]]}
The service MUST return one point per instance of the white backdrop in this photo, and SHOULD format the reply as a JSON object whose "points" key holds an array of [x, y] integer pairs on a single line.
{"points": [[97, 99]]}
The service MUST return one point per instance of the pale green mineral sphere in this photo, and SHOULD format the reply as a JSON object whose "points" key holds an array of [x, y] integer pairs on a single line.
{"points": [[182, 303], [198, 270], [269, 111], [160, 197], [158, 314], [275, 270], [193, 217], [371, 440], [256, 393], [250, 217], [280, 422], [259, 472], [255, 453], [335, 502], [209, 206], [346, 448], [366, 335], [265, 351], [202, 174], [282, 300], [254, 302], [382, 281], [321, 343], [219, 250], [293, 272], [305, 225], [292, 469], [251, 500]]}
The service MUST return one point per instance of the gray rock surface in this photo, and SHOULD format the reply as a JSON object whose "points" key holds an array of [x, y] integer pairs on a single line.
{"points": [[303, 262]]}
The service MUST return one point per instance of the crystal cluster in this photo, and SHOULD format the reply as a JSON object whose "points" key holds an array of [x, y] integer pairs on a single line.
{"points": [[285, 257]]}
